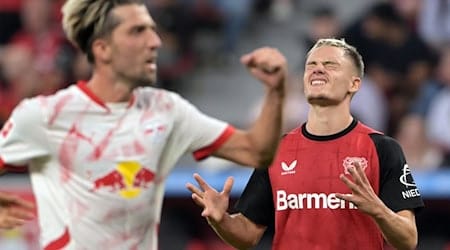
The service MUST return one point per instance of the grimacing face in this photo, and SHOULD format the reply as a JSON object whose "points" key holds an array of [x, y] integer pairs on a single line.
{"points": [[329, 77], [133, 46]]}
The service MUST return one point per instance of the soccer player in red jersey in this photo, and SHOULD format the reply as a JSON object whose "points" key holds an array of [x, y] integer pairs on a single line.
{"points": [[99, 151], [334, 183]]}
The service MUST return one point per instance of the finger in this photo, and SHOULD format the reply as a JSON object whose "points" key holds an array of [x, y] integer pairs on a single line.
{"points": [[361, 173], [24, 204], [355, 175], [21, 214], [198, 200], [246, 59], [228, 186], [353, 187], [202, 183], [265, 68], [347, 197], [8, 198], [14, 222], [194, 189]]}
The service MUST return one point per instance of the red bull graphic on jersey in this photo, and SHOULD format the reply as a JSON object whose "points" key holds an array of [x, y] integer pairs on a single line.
{"points": [[127, 179]]}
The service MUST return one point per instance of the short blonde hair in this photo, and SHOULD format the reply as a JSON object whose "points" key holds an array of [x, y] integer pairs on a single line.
{"points": [[350, 51], [86, 20]]}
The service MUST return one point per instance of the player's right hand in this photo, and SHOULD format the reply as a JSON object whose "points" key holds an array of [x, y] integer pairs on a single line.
{"points": [[214, 204], [14, 211], [267, 65]]}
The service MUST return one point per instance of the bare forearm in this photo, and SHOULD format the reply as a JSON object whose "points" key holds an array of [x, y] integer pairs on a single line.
{"points": [[266, 131], [399, 229], [238, 231]]}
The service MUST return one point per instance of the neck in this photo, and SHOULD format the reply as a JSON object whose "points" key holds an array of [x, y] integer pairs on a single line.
{"points": [[109, 89], [328, 120]]}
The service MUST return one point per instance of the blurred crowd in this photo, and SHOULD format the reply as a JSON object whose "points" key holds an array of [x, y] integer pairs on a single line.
{"points": [[405, 45]]}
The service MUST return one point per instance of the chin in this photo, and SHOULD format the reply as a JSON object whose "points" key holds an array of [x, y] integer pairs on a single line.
{"points": [[145, 81], [322, 101]]}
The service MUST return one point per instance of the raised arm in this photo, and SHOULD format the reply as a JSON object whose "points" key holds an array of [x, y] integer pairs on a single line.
{"points": [[256, 146], [234, 229]]}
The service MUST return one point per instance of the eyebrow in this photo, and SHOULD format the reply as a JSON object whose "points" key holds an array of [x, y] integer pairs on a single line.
{"points": [[323, 62]]}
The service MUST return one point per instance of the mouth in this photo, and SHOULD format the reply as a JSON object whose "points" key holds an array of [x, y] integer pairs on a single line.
{"points": [[317, 82], [151, 63]]}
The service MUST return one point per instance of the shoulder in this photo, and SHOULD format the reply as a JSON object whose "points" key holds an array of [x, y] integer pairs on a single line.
{"points": [[362, 128], [151, 96]]}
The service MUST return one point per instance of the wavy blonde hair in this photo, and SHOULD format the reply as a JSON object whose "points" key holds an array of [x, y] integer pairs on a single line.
{"points": [[86, 20]]}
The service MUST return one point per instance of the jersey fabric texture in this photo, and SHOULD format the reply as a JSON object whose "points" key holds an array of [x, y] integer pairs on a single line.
{"points": [[297, 193], [98, 169]]}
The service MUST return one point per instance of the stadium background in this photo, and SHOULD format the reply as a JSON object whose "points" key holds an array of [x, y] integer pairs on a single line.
{"points": [[405, 44]]}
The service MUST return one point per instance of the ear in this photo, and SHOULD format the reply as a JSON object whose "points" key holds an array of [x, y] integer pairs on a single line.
{"points": [[101, 50], [355, 85]]}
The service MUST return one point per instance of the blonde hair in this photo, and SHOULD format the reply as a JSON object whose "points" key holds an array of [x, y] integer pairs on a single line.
{"points": [[349, 50], [86, 20]]}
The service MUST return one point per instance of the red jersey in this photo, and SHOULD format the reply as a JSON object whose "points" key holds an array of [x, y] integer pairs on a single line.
{"points": [[297, 192]]}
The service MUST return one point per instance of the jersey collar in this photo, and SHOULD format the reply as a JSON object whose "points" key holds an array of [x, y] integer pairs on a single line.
{"points": [[329, 137], [82, 85]]}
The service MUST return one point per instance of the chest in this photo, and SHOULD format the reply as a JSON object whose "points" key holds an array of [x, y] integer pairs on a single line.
{"points": [[96, 142], [304, 166]]}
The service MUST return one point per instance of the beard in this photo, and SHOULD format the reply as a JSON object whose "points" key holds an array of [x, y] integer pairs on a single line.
{"points": [[322, 101], [142, 80]]}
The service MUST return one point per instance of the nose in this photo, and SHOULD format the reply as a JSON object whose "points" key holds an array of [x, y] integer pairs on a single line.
{"points": [[154, 40], [318, 69]]}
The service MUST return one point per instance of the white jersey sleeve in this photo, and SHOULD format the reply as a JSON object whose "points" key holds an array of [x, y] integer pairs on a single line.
{"points": [[22, 138], [205, 133]]}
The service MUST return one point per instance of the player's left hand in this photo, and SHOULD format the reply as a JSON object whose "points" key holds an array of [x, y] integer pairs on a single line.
{"points": [[267, 65], [363, 195]]}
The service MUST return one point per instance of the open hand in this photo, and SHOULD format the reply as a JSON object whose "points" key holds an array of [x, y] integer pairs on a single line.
{"points": [[362, 194], [14, 211], [214, 204]]}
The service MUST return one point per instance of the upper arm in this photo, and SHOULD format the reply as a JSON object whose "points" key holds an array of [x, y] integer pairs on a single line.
{"points": [[256, 201], [23, 136], [397, 187]]}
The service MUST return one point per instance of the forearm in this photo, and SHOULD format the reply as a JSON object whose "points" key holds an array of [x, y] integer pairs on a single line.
{"points": [[399, 229], [238, 231], [265, 133]]}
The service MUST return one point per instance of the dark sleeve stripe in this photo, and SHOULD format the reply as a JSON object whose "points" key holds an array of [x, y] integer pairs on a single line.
{"points": [[397, 187], [256, 201]]}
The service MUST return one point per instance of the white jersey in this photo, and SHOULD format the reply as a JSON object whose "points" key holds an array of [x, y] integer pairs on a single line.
{"points": [[98, 170]]}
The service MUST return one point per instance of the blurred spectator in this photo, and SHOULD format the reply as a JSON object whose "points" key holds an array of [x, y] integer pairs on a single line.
{"points": [[370, 105], [236, 14], [323, 24], [9, 19], [434, 22], [176, 28], [438, 118], [409, 10], [419, 152], [431, 88], [398, 60], [50, 51], [20, 76]]}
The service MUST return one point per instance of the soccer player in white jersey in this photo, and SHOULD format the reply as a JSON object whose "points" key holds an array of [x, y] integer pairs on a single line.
{"points": [[99, 151]]}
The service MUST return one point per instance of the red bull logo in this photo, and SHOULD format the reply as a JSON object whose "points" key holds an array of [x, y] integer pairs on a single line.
{"points": [[128, 180]]}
